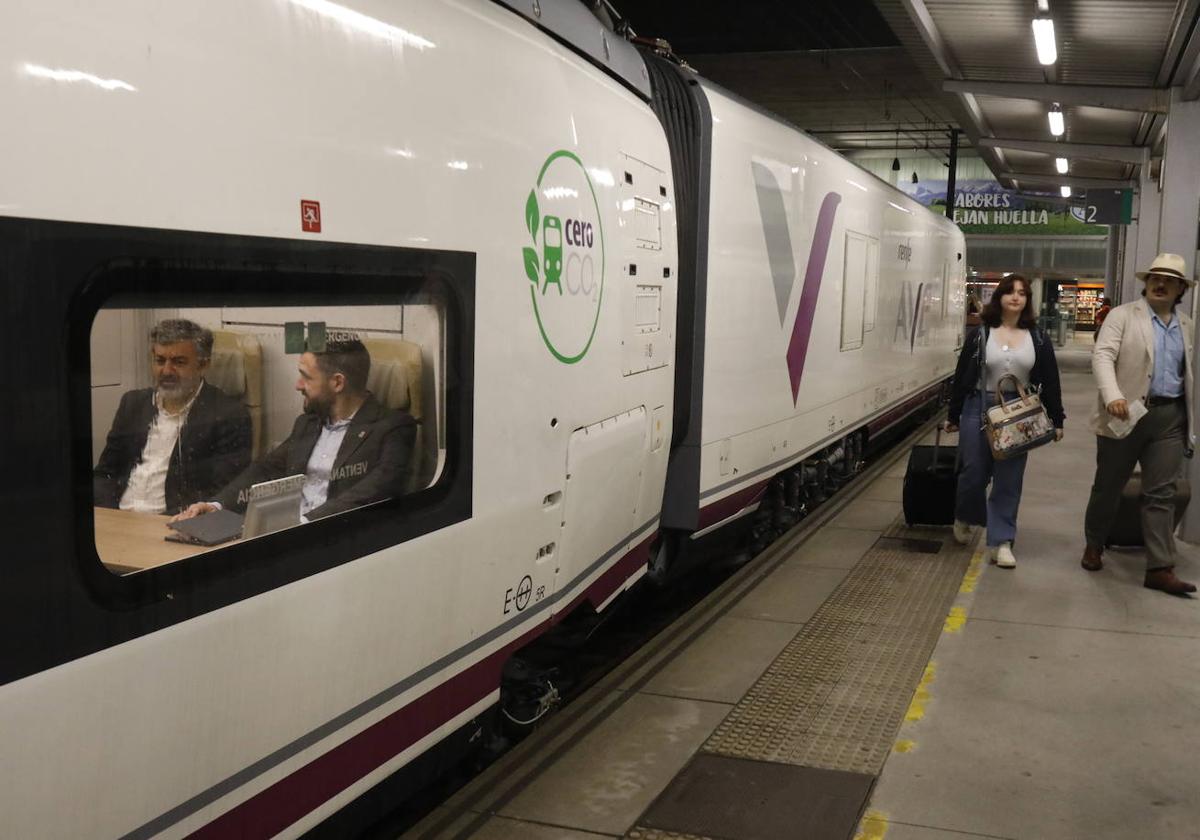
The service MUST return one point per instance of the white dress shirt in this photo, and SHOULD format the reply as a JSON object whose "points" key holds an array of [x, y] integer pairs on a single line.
{"points": [[146, 490], [320, 466]]}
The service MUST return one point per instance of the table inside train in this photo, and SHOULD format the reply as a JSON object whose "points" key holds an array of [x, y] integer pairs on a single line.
{"points": [[130, 542]]}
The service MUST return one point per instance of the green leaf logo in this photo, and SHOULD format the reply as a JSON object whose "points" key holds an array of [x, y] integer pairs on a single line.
{"points": [[531, 264], [565, 250], [531, 217]]}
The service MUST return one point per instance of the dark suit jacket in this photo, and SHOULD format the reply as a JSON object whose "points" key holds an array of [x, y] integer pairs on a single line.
{"points": [[213, 447], [372, 464]]}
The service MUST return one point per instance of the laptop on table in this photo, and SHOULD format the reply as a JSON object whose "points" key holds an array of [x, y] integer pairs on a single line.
{"points": [[273, 506]]}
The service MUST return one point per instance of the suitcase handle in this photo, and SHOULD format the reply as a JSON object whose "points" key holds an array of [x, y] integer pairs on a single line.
{"points": [[937, 445]]}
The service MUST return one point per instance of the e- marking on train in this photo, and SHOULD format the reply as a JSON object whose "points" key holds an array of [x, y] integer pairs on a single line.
{"points": [[619, 301]]}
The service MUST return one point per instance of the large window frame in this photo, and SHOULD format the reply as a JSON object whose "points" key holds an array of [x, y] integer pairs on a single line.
{"points": [[200, 271]]}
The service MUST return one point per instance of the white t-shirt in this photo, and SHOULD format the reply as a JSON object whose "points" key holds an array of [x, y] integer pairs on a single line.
{"points": [[1002, 359]]}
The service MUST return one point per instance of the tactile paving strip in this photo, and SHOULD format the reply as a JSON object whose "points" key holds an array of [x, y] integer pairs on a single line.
{"points": [[658, 834], [836, 696]]}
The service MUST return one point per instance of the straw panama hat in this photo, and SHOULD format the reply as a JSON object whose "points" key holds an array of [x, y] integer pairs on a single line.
{"points": [[1168, 265]]}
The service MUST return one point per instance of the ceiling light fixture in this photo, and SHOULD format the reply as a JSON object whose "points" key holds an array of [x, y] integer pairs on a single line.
{"points": [[1043, 39], [1066, 191], [895, 164], [1061, 164], [916, 180], [1057, 124]]}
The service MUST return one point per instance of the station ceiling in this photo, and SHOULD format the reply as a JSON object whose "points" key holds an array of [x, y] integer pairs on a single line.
{"points": [[869, 76]]}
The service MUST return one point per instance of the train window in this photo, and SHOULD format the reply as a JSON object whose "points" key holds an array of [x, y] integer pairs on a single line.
{"points": [[854, 289], [947, 280], [217, 424], [871, 295]]}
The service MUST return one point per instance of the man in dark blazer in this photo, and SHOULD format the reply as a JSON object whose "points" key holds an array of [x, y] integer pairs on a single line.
{"points": [[178, 442], [351, 450]]}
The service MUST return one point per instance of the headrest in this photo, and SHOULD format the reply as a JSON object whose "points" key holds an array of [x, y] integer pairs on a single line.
{"points": [[389, 383], [235, 364], [227, 370], [395, 377]]}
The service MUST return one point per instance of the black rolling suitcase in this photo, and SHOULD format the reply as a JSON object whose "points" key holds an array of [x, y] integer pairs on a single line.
{"points": [[1127, 525], [929, 484]]}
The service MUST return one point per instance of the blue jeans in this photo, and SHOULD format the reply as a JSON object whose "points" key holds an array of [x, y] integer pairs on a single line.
{"points": [[973, 504]]}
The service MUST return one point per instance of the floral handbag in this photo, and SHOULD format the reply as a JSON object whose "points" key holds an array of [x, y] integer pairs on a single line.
{"points": [[1018, 425]]}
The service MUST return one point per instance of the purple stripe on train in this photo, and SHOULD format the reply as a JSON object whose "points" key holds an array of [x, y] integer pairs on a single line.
{"points": [[807, 310]]}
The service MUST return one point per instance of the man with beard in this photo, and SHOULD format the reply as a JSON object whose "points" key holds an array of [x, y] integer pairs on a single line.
{"points": [[351, 450], [179, 441]]}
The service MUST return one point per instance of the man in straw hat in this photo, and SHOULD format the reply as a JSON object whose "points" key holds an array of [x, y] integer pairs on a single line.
{"points": [[1143, 354]]}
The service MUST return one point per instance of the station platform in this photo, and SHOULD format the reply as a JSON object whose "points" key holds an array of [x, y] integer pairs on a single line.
{"points": [[861, 679]]}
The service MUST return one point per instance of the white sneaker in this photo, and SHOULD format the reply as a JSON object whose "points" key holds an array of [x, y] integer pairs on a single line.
{"points": [[962, 532], [1004, 556]]}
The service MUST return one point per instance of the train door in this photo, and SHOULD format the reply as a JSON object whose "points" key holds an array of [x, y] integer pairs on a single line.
{"points": [[605, 462]]}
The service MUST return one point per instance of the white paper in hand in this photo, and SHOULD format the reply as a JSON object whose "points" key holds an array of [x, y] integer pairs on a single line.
{"points": [[1122, 428]]}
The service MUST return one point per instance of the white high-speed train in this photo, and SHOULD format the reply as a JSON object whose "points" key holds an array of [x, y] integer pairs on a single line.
{"points": [[618, 300]]}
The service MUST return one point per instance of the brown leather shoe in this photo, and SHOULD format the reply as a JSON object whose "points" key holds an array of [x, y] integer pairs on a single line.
{"points": [[1164, 580], [1091, 558]]}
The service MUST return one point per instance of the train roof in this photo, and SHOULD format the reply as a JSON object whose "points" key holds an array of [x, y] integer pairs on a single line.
{"points": [[571, 23], [708, 84]]}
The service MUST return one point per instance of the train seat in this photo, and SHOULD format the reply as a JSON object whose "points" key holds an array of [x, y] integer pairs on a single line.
{"points": [[396, 381], [237, 369]]}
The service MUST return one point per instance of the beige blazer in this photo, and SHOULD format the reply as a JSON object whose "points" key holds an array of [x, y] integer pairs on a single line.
{"points": [[1123, 361]]}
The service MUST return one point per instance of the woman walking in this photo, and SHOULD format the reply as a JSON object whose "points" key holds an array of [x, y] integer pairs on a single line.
{"points": [[1008, 342]]}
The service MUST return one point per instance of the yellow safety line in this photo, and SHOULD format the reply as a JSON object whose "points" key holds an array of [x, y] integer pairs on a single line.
{"points": [[916, 709], [974, 570], [874, 826], [955, 620]]}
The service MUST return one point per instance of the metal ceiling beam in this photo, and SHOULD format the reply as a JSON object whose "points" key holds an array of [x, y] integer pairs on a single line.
{"points": [[975, 124], [1070, 181], [1149, 128], [1189, 71], [1182, 37], [861, 153], [932, 36], [1151, 100], [1181, 61], [1158, 137], [942, 130], [1091, 151]]}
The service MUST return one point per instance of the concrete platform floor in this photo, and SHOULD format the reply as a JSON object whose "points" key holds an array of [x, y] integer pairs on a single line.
{"points": [[1059, 703]]}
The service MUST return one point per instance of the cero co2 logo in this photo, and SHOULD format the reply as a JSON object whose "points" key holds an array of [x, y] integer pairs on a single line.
{"points": [[565, 262]]}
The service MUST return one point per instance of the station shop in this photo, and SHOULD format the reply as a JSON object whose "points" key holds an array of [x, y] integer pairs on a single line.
{"points": [[1073, 301]]}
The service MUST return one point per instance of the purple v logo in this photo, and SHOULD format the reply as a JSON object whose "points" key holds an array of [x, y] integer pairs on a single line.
{"points": [[807, 310]]}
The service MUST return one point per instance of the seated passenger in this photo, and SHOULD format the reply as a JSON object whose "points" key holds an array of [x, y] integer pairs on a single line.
{"points": [[351, 450], [178, 442]]}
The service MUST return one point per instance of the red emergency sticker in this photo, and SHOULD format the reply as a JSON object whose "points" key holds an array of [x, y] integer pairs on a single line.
{"points": [[310, 216]]}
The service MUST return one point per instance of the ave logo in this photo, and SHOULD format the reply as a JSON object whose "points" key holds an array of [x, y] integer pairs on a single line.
{"points": [[564, 261]]}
